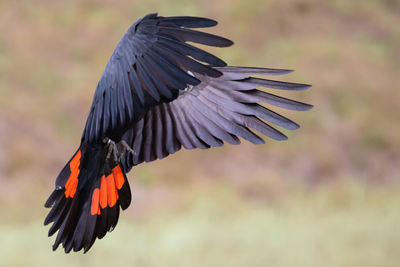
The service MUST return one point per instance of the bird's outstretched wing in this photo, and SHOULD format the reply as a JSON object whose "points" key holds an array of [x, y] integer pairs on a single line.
{"points": [[159, 93], [150, 66], [217, 110]]}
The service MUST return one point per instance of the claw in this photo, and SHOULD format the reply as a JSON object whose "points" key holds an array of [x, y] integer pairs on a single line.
{"points": [[117, 151], [125, 148]]}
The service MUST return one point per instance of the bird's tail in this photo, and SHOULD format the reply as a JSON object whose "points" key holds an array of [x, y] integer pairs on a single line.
{"points": [[85, 203]]}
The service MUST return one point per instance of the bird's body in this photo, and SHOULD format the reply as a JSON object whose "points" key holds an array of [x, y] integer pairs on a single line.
{"points": [[155, 96]]}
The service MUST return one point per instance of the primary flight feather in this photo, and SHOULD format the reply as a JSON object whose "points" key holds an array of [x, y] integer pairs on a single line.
{"points": [[158, 93]]}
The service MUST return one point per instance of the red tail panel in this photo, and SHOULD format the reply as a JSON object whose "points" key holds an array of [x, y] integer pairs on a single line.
{"points": [[106, 195], [86, 201], [72, 182]]}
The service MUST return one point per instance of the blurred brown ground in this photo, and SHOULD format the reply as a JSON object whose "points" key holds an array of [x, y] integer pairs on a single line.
{"points": [[329, 196]]}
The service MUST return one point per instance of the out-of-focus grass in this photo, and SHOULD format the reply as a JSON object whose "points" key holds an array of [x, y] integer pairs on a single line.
{"points": [[340, 225], [326, 197]]}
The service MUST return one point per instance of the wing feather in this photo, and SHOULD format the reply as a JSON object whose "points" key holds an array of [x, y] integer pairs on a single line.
{"points": [[218, 110], [148, 67]]}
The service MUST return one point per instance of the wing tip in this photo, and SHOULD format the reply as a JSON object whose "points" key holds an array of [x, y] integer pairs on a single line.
{"points": [[286, 71], [227, 43], [281, 138], [303, 86], [292, 126], [306, 107]]}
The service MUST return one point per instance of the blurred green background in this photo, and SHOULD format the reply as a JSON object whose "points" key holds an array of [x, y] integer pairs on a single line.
{"points": [[329, 196]]}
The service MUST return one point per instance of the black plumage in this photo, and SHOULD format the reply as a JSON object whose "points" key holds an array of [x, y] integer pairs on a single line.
{"points": [[158, 94]]}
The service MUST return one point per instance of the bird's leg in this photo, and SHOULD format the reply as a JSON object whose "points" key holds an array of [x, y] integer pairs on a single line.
{"points": [[117, 151], [112, 149]]}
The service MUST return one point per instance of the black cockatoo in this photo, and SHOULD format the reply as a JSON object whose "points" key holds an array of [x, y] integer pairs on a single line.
{"points": [[158, 93]]}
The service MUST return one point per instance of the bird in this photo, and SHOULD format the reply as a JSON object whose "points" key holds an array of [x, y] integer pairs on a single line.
{"points": [[159, 92]]}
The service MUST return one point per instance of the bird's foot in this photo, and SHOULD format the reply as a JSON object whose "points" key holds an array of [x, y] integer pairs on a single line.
{"points": [[117, 150], [124, 147]]}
